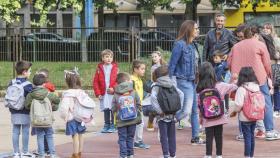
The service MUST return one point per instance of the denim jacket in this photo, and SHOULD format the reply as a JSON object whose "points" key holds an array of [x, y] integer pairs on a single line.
{"points": [[182, 63]]}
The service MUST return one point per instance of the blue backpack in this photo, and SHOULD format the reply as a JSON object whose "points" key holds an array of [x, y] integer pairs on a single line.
{"points": [[127, 107]]}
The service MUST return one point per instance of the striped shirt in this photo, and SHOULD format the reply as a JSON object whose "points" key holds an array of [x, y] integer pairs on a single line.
{"points": [[250, 52]]}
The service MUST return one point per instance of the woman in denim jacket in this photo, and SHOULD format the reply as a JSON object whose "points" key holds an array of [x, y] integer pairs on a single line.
{"points": [[183, 66]]}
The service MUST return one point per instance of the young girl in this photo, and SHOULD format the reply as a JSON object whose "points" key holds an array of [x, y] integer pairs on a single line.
{"points": [[157, 61], [246, 80], [214, 126], [74, 128], [138, 71]]}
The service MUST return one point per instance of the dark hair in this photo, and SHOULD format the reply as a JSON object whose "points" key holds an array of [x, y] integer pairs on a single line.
{"points": [[122, 77], [136, 64], [240, 28], [269, 42], [39, 79], [247, 74], [159, 72], [73, 80], [251, 30], [44, 72], [186, 30], [206, 77], [22, 66]]}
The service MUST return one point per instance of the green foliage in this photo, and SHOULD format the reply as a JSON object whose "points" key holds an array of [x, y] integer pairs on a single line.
{"points": [[8, 9], [151, 5]]}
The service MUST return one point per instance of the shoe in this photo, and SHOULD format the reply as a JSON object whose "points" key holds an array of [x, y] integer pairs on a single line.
{"points": [[75, 156], [105, 129], [150, 127], [141, 145], [260, 134], [202, 134], [220, 156], [239, 137], [207, 156], [16, 155], [131, 156], [172, 157], [276, 114], [180, 125], [53, 156], [272, 135], [112, 129], [27, 155], [197, 141]]}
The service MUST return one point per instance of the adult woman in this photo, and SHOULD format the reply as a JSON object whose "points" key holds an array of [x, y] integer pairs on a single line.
{"points": [[183, 65], [268, 29], [254, 53]]}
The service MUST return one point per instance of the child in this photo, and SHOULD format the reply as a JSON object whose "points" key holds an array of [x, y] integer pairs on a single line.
{"points": [[104, 82], [67, 106], [157, 61], [213, 126], [247, 81], [166, 121], [138, 71], [221, 66], [40, 93], [19, 114], [126, 127]]}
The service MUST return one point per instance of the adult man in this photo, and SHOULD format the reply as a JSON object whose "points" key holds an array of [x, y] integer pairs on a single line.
{"points": [[219, 38]]}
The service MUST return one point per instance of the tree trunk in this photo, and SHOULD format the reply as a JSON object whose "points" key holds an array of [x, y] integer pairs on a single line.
{"points": [[8, 42], [83, 35], [100, 17], [191, 10]]}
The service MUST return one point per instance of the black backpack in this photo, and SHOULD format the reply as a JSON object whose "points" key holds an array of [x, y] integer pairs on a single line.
{"points": [[168, 99]]}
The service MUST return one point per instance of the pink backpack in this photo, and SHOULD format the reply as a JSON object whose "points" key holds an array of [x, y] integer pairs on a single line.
{"points": [[254, 105]]}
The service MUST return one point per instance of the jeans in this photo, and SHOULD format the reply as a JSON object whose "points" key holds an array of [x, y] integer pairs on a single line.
{"points": [[41, 134], [139, 131], [248, 129], [108, 117], [167, 137], [25, 137], [276, 99], [268, 115], [190, 104], [217, 132], [126, 135]]}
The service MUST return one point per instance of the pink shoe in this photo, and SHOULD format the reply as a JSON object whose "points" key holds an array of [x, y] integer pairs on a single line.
{"points": [[260, 134]]}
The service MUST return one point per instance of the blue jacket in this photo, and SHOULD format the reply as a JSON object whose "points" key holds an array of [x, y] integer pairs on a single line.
{"points": [[182, 63], [221, 71]]}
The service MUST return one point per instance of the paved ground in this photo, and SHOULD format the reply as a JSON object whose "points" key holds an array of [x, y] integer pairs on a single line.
{"points": [[105, 145]]}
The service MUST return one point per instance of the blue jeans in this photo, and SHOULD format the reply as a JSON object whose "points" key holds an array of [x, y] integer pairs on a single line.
{"points": [[48, 133], [268, 115], [167, 137], [248, 129], [190, 104], [126, 138], [25, 137], [276, 99]]}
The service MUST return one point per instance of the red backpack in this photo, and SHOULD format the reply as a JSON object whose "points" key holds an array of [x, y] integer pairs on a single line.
{"points": [[254, 105]]}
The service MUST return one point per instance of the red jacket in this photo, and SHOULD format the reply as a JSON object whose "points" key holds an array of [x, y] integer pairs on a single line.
{"points": [[98, 82]]}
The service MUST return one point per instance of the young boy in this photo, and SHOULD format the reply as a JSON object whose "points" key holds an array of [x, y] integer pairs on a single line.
{"points": [[221, 66], [104, 82], [125, 97], [15, 102], [40, 93]]}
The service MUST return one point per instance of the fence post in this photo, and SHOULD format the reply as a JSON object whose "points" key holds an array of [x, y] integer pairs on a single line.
{"points": [[132, 43]]}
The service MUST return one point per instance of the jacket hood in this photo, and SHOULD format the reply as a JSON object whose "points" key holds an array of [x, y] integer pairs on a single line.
{"points": [[39, 93], [251, 86], [124, 87], [164, 81], [71, 92]]}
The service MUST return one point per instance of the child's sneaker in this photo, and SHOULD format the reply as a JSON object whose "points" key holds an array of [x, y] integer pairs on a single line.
{"points": [[16, 155], [112, 129], [272, 135], [141, 145], [27, 155], [207, 156], [276, 114], [260, 134], [180, 125], [239, 137], [220, 156], [197, 141], [150, 126], [105, 129]]}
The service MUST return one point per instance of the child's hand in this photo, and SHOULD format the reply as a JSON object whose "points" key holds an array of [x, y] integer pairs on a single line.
{"points": [[110, 90], [233, 114], [100, 97]]}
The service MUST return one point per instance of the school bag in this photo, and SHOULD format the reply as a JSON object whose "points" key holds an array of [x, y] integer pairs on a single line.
{"points": [[41, 113], [211, 105], [254, 105], [14, 97], [83, 108], [168, 99], [127, 107]]}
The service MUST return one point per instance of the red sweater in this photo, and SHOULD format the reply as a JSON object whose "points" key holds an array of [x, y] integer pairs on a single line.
{"points": [[98, 81], [49, 86]]}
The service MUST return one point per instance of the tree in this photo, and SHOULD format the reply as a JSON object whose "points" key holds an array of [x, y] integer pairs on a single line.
{"points": [[8, 9], [100, 5]]}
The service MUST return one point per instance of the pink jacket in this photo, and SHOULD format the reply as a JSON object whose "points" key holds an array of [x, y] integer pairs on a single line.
{"points": [[223, 88]]}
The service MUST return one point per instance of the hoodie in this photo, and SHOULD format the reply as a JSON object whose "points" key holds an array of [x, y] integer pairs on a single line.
{"points": [[40, 93], [240, 97], [121, 89], [163, 81]]}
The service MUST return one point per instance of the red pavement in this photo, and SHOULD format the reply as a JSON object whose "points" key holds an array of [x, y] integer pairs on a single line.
{"points": [[105, 146]]}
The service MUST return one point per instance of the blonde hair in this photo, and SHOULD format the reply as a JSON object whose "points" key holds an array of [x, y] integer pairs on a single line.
{"points": [[162, 62], [272, 29], [107, 52]]}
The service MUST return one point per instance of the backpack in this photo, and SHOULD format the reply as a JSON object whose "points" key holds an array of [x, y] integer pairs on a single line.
{"points": [[84, 107], [276, 74], [127, 107], [168, 99], [211, 105], [14, 97], [254, 105], [41, 113]]}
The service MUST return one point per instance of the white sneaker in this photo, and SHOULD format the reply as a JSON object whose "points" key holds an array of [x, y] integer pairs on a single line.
{"points": [[220, 156], [207, 156], [16, 155], [27, 155], [276, 114], [272, 135]]}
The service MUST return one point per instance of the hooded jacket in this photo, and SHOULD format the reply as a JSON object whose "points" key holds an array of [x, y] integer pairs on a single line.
{"points": [[240, 97], [121, 89], [40, 93]]}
